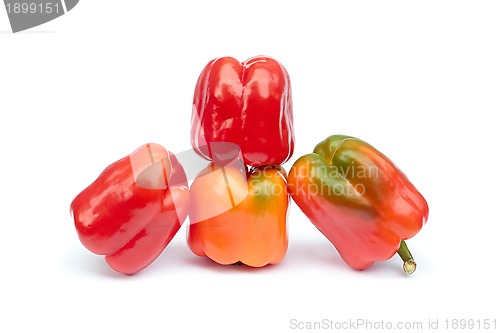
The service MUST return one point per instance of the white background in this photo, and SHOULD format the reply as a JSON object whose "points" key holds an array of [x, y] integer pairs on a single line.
{"points": [[418, 80]]}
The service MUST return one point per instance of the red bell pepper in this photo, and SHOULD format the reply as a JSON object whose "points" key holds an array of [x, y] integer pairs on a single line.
{"points": [[249, 104], [359, 200], [133, 209]]}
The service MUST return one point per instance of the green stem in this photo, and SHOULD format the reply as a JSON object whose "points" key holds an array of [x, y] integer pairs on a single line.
{"points": [[409, 265]]}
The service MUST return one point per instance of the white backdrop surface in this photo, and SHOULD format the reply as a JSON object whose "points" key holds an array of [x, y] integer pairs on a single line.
{"points": [[418, 80]]}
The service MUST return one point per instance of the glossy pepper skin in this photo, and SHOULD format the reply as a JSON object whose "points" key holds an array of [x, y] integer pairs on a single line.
{"points": [[249, 104], [239, 216], [359, 200], [133, 209]]}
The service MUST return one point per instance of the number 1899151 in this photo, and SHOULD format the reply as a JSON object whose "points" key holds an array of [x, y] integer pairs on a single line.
{"points": [[33, 8]]}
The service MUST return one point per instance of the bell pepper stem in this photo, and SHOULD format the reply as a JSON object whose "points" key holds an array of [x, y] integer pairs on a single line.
{"points": [[409, 265]]}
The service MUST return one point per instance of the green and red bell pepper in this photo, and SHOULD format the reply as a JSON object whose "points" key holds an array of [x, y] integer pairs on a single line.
{"points": [[359, 200]]}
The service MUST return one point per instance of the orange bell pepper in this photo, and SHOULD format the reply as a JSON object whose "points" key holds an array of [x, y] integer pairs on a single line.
{"points": [[239, 216]]}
